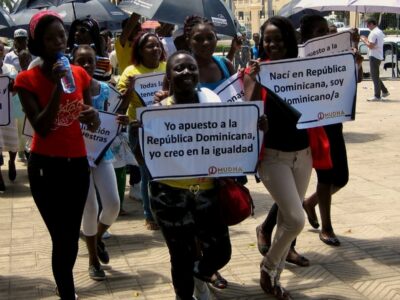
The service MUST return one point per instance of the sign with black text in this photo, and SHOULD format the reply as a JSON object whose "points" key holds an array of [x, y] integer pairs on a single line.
{"points": [[5, 108], [322, 89], [147, 85], [231, 90], [99, 141], [326, 45], [201, 140]]}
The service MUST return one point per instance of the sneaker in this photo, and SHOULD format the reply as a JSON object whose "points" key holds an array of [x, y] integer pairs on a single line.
{"points": [[201, 290], [102, 253], [96, 273], [106, 235], [135, 192], [384, 95], [374, 99]]}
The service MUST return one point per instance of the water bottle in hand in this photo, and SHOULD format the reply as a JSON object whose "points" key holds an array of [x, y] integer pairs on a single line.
{"points": [[67, 82]]}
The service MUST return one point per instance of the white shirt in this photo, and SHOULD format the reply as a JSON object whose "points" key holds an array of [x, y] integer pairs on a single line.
{"points": [[12, 59], [376, 36]]}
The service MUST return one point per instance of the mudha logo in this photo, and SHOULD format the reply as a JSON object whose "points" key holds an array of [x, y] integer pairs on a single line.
{"points": [[330, 115], [224, 170], [219, 21]]}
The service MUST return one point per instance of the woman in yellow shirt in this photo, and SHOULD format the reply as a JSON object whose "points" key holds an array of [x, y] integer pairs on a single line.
{"points": [[148, 56]]}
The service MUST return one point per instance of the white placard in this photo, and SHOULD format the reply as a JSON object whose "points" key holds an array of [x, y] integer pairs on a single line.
{"points": [[27, 128], [326, 45], [322, 89], [98, 142], [147, 85], [5, 108], [231, 90], [114, 100], [201, 140]]}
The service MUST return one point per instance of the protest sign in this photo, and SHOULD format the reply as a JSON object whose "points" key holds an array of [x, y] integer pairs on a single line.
{"points": [[114, 100], [147, 85], [201, 140], [326, 45], [231, 90], [27, 128], [99, 141], [5, 108], [322, 89]]}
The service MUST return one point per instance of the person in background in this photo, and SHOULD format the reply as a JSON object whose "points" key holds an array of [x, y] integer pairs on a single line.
{"points": [[254, 49], [20, 43], [330, 180], [148, 56], [87, 31], [58, 168], [9, 133], [124, 43], [102, 179], [12, 58], [374, 42], [165, 34], [123, 49]]}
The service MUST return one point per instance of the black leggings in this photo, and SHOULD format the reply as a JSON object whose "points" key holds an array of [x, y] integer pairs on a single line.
{"points": [[59, 188], [186, 219]]}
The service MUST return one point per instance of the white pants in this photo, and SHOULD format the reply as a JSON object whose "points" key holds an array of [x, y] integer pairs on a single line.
{"points": [[286, 176], [103, 178]]}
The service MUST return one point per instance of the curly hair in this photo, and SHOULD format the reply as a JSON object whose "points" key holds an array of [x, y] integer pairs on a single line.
{"points": [[288, 35], [138, 43], [191, 22]]}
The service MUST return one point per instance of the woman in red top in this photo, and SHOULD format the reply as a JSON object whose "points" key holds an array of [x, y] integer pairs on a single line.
{"points": [[58, 169]]}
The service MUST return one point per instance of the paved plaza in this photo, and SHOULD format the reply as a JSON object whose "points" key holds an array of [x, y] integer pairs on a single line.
{"points": [[366, 218]]}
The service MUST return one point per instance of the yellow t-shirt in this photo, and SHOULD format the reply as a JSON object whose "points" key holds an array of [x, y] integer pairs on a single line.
{"points": [[134, 101], [124, 55], [203, 183]]}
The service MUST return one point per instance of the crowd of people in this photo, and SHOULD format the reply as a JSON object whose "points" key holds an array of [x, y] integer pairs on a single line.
{"points": [[72, 195]]}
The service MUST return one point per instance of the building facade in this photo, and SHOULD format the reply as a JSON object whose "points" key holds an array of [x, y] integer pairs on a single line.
{"points": [[252, 13]]}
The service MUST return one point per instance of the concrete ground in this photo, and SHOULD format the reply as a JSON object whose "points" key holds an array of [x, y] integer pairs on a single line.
{"points": [[366, 217]]}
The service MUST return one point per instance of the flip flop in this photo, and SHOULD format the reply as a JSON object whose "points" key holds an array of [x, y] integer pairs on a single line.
{"points": [[300, 261], [219, 282], [331, 241]]}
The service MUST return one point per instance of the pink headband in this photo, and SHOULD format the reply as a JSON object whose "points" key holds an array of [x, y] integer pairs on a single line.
{"points": [[36, 18]]}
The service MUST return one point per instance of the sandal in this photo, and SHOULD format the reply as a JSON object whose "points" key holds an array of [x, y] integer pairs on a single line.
{"points": [[263, 243], [295, 258], [151, 225], [311, 216], [218, 281], [329, 240]]}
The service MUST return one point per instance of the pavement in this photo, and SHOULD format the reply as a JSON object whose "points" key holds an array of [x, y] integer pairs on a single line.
{"points": [[366, 218]]}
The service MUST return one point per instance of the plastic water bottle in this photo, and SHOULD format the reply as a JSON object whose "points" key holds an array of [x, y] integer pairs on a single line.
{"points": [[67, 82]]}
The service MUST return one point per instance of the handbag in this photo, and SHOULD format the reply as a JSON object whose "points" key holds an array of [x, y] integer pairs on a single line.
{"points": [[235, 201]]}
